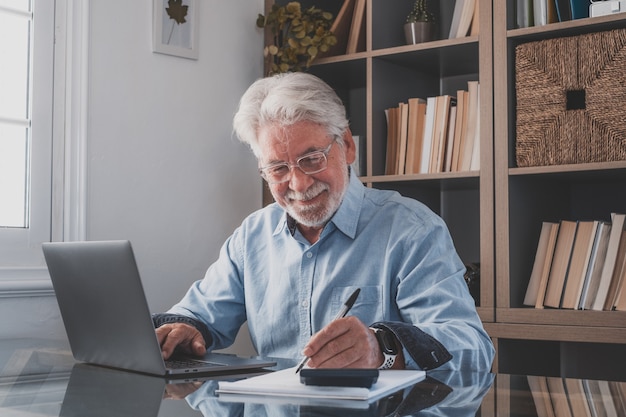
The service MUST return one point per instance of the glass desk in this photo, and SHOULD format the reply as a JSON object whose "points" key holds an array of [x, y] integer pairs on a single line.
{"points": [[36, 381]]}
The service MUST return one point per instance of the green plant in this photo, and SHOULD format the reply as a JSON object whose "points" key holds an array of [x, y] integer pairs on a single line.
{"points": [[420, 13], [298, 36]]}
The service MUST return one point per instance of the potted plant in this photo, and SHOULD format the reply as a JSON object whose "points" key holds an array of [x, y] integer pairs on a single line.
{"points": [[420, 23], [298, 36]]}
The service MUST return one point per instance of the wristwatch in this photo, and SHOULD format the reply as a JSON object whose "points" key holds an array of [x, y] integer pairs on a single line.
{"points": [[387, 343]]}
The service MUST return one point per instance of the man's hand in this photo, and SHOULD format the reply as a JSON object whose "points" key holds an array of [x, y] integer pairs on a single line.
{"points": [[344, 343], [182, 336], [180, 391]]}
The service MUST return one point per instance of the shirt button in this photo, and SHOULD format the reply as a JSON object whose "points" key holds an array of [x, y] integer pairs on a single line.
{"points": [[305, 304], [309, 255]]}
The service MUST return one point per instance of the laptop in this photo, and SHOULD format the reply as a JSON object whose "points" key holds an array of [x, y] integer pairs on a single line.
{"points": [[97, 391], [106, 315]]}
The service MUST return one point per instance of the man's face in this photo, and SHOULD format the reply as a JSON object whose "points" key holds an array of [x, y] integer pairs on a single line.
{"points": [[310, 199]]}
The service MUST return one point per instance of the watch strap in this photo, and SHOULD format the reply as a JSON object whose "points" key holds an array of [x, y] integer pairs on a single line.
{"points": [[389, 357]]}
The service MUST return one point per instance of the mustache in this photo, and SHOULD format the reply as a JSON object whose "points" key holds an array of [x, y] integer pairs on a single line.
{"points": [[315, 190]]}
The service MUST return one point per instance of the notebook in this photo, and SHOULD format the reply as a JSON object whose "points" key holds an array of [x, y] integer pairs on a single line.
{"points": [[106, 315], [285, 384]]}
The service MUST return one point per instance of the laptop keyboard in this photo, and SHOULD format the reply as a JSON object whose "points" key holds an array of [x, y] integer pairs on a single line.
{"points": [[191, 363]]}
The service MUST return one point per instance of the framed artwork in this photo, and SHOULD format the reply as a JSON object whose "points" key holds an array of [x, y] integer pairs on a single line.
{"points": [[175, 28]]}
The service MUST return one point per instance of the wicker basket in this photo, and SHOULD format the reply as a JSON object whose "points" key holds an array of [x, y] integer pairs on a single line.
{"points": [[571, 99]]}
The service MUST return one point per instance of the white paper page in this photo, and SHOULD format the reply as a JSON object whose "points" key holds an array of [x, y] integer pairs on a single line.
{"points": [[286, 383]]}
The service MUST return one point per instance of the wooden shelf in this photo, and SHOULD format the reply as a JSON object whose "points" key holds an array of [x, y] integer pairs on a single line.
{"points": [[558, 333], [556, 317], [526, 196], [493, 214]]}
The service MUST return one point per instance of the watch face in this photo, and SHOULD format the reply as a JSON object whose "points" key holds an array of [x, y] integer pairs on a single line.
{"points": [[387, 342]]}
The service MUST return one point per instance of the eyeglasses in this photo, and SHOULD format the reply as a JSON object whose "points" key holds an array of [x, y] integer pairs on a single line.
{"points": [[310, 163]]}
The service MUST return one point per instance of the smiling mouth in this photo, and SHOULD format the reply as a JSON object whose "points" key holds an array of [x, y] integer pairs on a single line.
{"points": [[305, 200], [307, 197]]}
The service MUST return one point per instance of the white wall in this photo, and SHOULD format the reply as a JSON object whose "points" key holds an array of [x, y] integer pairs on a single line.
{"points": [[163, 169]]}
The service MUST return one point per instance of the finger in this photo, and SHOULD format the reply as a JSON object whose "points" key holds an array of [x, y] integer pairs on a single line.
{"points": [[343, 343], [330, 332], [179, 335], [336, 355], [187, 338], [167, 345], [198, 347], [161, 333], [354, 346]]}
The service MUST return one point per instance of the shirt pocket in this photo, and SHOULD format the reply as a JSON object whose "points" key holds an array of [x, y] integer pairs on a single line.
{"points": [[368, 306]]}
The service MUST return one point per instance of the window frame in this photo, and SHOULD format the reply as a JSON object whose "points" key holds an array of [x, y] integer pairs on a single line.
{"points": [[66, 188]]}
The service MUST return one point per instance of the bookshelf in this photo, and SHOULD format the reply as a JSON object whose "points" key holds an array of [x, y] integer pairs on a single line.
{"points": [[495, 213], [387, 71], [564, 341]]}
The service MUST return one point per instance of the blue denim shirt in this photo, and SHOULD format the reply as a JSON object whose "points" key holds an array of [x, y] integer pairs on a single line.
{"points": [[394, 248]]}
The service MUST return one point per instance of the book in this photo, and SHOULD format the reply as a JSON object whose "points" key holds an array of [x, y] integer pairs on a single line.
{"points": [[620, 297], [617, 220], [286, 384], [356, 37], [475, 27], [579, 8], [541, 395], [558, 397], [443, 104], [547, 238], [606, 399], [563, 10], [475, 159], [403, 116], [581, 253], [524, 13], [471, 126], [415, 133], [540, 12], [450, 139], [427, 141], [461, 18], [391, 114], [341, 28], [547, 264], [596, 262], [577, 399], [560, 263], [616, 278], [618, 391], [544, 12], [460, 128], [572, 9]]}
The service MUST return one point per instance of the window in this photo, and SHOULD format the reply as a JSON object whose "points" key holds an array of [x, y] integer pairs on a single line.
{"points": [[26, 86], [15, 35]]}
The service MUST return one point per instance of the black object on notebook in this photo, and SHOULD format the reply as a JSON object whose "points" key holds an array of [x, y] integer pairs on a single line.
{"points": [[342, 377]]}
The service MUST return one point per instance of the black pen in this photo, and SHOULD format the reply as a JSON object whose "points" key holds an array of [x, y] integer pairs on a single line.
{"points": [[342, 313]]}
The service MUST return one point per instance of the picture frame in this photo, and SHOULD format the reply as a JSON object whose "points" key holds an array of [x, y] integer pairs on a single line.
{"points": [[175, 28]]}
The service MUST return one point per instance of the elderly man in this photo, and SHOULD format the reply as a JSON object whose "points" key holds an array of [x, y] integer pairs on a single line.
{"points": [[290, 266]]}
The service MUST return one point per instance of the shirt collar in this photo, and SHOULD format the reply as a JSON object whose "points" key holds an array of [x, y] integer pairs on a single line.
{"points": [[347, 216]]}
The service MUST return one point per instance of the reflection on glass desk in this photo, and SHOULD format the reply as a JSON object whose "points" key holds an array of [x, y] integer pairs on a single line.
{"points": [[47, 382]]}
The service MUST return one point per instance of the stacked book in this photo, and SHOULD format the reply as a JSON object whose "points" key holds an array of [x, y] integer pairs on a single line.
{"points": [[436, 134], [580, 265], [556, 396], [542, 12]]}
